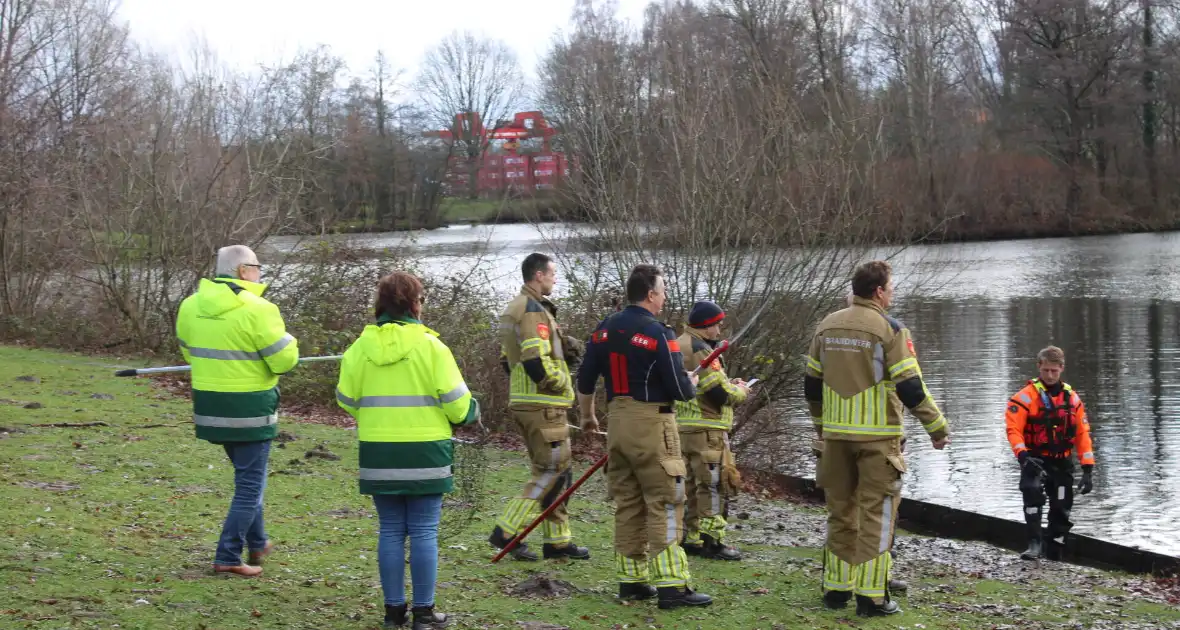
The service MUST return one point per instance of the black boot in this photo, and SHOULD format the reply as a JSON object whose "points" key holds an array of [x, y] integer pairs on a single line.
{"points": [[716, 550], [636, 590], [1052, 549], [1034, 550], [675, 597], [865, 607], [568, 550], [837, 599], [425, 618], [898, 586], [395, 616], [692, 549], [1032, 527], [500, 540]]}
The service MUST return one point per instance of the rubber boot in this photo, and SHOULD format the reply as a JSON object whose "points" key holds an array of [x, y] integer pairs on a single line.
{"points": [[425, 618], [636, 590], [1034, 550], [1052, 549], [675, 597], [836, 600], [499, 540], [716, 550], [898, 586], [865, 607], [568, 550], [692, 549], [395, 616]]}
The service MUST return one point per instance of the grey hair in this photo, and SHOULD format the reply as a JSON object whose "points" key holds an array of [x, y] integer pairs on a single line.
{"points": [[230, 257]]}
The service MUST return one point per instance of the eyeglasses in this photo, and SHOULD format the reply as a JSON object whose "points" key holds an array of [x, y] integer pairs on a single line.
{"points": [[255, 265]]}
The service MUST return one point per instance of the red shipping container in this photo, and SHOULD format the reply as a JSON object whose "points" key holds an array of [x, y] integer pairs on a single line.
{"points": [[545, 170], [490, 179], [517, 174]]}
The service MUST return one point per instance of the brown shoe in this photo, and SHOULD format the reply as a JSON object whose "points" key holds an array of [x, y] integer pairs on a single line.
{"points": [[243, 570], [256, 555]]}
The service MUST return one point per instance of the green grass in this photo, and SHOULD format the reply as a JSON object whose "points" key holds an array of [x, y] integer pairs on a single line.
{"points": [[125, 535]]}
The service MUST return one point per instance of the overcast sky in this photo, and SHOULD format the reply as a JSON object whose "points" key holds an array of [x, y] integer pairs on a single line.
{"points": [[247, 32]]}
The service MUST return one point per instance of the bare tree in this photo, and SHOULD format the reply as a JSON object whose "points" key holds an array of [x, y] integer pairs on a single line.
{"points": [[917, 41], [692, 159], [468, 74]]}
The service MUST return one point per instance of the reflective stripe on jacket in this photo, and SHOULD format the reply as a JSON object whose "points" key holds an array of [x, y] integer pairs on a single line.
{"points": [[402, 385], [530, 342], [860, 369], [702, 412], [238, 346], [1048, 425]]}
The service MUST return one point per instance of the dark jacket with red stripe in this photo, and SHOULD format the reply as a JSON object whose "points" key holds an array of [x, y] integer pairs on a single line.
{"points": [[638, 356]]}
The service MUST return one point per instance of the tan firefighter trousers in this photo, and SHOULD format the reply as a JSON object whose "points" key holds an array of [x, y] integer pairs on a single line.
{"points": [[547, 436], [647, 478], [862, 486]]}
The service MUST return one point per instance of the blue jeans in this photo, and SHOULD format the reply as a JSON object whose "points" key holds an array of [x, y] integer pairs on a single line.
{"points": [[416, 517], [243, 524]]}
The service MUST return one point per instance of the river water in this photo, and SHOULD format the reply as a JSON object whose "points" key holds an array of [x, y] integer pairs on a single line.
{"points": [[979, 313]]}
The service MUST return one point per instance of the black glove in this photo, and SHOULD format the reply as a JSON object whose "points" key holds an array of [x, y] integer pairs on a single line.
{"points": [[1087, 482]]}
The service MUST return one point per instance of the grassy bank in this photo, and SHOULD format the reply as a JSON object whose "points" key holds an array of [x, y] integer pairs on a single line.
{"points": [[116, 524]]}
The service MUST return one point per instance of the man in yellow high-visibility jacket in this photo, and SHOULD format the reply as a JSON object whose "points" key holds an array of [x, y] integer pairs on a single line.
{"points": [[238, 346]]}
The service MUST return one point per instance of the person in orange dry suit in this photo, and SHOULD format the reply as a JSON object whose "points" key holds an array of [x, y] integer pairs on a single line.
{"points": [[1046, 422]]}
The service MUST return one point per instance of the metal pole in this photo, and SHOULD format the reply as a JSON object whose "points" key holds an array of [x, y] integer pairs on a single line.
{"points": [[722, 347], [186, 368]]}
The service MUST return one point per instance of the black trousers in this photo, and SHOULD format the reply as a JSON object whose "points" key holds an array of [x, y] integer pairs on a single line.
{"points": [[1057, 484]]}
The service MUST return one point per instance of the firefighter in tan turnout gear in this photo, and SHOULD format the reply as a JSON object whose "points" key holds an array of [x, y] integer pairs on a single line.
{"points": [[704, 424], [640, 362], [861, 368], [535, 353]]}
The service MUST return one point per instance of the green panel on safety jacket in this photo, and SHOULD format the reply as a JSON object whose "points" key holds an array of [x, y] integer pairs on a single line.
{"points": [[402, 385], [700, 412], [237, 345]]}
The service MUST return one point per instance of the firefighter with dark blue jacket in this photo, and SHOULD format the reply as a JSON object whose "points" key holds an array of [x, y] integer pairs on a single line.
{"points": [[640, 362]]}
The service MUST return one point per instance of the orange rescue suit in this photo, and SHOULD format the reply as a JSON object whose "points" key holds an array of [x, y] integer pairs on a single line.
{"points": [[1049, 426]]}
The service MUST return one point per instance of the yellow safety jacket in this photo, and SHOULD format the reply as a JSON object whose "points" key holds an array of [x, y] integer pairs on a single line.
{"points": [[713, 386], [238, 345], [530, 344], [404, 389], [860, 369]]}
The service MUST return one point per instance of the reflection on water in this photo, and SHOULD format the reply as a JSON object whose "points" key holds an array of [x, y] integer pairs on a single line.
{"points": [[979, 313], [1121, 356], [1106, 302]]}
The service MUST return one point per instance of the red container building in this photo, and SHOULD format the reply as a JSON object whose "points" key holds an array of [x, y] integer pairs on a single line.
{"points": [[506, 169]]}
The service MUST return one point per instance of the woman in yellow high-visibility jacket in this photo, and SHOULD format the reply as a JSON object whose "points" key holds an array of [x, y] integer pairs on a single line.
{"points": [[404, 389]]}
